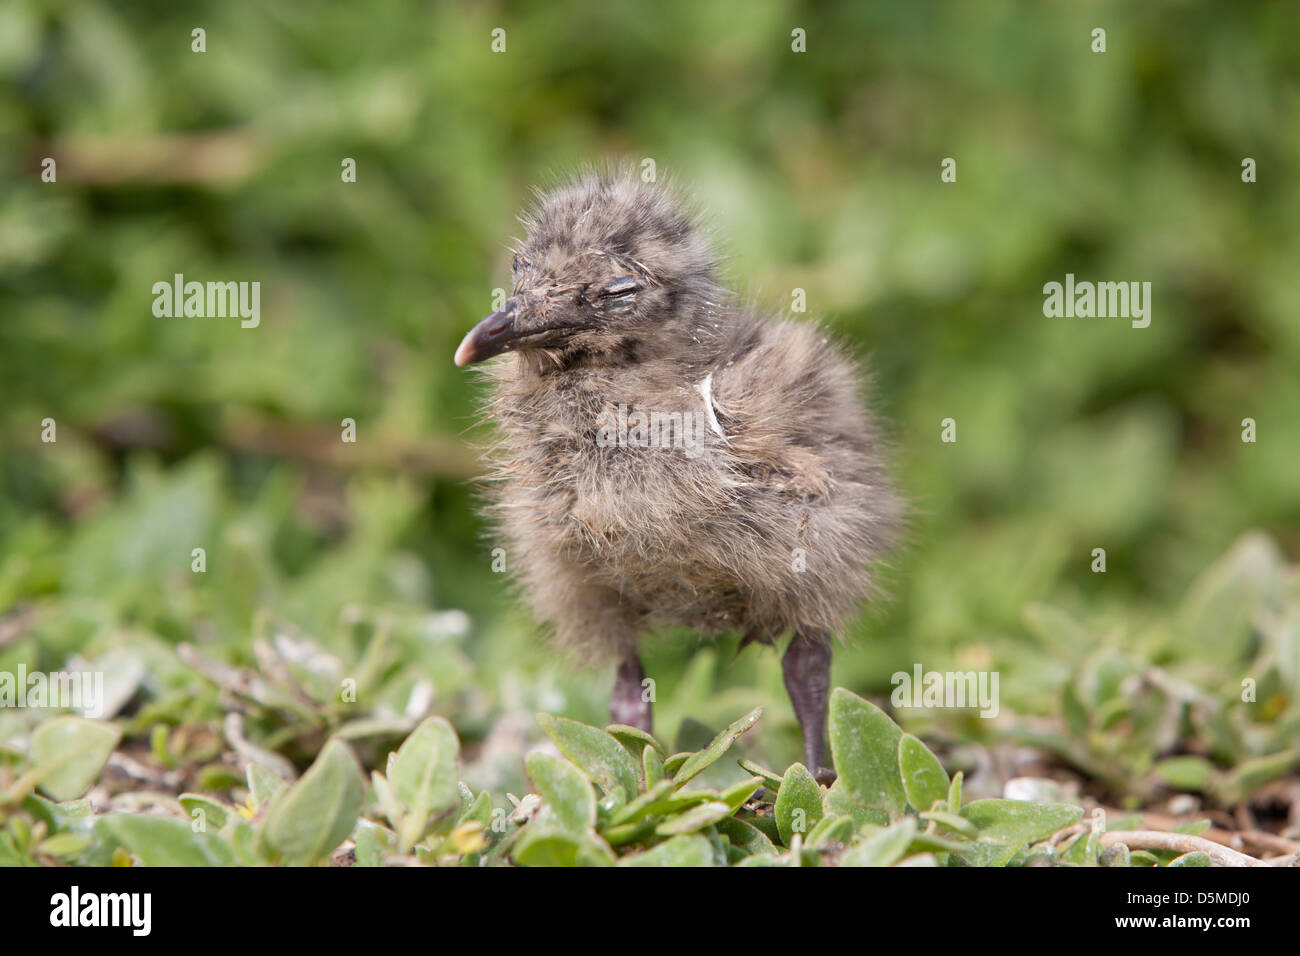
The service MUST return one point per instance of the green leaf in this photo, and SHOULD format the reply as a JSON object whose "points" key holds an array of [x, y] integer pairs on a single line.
{"points": [[1195, 858], [694, 819], [746, 837], [1252, 774], [548, 846], [634, 810], [1076, 715], [388, 801], [628, 832], [423, 776], [1185, 773], [952, 821], [65, 846], [213, 812], [10, 854], [69, 753], [466, 800], [161, 841], [217, 776], [480, 810], [737, 794], [159, 739], [567, 796], [674, 763], [374, 843], [1084, 850], [682, 800], [600, 756], [831, 829], [1019, 822], [316, 813], [939, 844], [249, 850], [1214, 619], [71, 814], [263, 785], [884, 848], [798, 803], [770, 780], [864, 744], [986, 855], [692, 850], [954, 793], [838, 800], [697, 763], [610, 803], [634, 738], [924, 779], [653, 766], [767, 826]]}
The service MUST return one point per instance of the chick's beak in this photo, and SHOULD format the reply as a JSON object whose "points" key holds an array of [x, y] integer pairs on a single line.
{"points": [[490, 337], [499, 333]]}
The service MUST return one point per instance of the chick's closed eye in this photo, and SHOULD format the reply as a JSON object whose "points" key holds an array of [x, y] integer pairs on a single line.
{"points": [[622, 286]]}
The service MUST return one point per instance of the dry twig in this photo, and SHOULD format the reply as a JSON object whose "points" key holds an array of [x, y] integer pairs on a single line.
{"points": [[1219, 854]]}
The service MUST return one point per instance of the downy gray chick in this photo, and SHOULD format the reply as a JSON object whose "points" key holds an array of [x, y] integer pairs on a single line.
{"points": [[667, 457]]}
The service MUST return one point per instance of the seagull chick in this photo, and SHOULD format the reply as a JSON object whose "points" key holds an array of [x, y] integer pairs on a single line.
{"points": [[668, 458]]}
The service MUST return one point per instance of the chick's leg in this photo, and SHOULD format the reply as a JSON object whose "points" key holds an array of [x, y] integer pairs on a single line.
{"points": [[807, 670], [628, 705]]}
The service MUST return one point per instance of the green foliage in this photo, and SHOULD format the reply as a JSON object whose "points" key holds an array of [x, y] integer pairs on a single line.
{"points": [[865, 742], [586, 813], [422, 779], [924, 779], [567, 794], [1218, 714], [157, 841], [69, 753], [798, 803], [611, 796], [599, 754], [311, 817]]}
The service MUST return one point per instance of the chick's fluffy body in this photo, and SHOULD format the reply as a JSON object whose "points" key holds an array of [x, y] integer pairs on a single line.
{"points": [[771, 523]]}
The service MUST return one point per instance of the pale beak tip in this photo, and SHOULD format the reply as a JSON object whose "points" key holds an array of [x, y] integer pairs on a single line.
{"points": [[492, 336], [464, 352]]}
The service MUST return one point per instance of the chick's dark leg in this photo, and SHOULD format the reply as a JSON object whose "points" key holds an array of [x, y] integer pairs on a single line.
{"points": [[807, 670], [628, 705]]}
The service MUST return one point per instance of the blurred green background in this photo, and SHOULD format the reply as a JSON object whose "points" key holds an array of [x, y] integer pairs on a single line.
{"points": [[819, 171]]}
